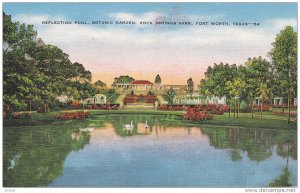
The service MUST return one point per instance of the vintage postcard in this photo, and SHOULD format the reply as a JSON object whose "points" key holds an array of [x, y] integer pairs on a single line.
{"points": [[150, 94]]}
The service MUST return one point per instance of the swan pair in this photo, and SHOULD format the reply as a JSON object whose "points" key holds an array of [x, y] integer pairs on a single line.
{"points": [[129, 127], [87, 129]]}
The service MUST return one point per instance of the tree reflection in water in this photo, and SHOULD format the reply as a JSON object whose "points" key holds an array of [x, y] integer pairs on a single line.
{"points": [[257, 143], [283, 180], [33, 157]]}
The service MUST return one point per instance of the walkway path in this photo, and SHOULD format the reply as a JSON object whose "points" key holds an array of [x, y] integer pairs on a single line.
{"points": [[120, 99], [139, 107], [160, 99]]}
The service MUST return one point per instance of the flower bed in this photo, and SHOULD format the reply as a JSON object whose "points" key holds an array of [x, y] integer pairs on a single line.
{"points": [[212, 108], [279, 106], [217, 109], [75, 104], [293, 114], [104, 107], [194, 115], [150, 98], [284, 106], [172, 107], [263, 108], [73, 115]]}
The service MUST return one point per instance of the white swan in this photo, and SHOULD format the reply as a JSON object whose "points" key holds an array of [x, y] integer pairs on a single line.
{"points": [[87, 129], [146, 124], [128, 127]]}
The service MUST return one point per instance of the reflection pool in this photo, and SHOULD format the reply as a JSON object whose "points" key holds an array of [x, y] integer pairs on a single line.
{"points": [[165, 153]]}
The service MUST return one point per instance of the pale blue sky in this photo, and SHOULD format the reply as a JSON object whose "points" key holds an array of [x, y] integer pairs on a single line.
{"points": [[231, 11], [176, 53]]}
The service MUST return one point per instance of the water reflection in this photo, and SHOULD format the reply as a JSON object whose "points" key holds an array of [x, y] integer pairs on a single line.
{"points": [[35, 156], [283, 180], [257, 143]]}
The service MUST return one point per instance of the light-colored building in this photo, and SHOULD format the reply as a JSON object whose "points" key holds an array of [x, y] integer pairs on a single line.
{"points": [[141, 85], [277, 100], [198, 100], [136, 85], [64, 98], [97, 99], [145, 85]]}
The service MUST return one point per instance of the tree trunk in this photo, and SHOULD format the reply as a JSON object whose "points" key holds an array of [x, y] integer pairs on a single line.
{"points": [[238, 109], [234, 109], [289, 105], [229, 109], [82, 105], [45, 107], [252, 109], [289, 91], [261, 110], [30, 106]]}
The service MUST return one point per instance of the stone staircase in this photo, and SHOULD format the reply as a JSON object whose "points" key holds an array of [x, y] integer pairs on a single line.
{"points": [[139, 107]]}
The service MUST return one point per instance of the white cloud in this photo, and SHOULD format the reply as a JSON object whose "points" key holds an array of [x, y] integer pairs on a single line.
{"points": [[190, 49], [36, 19], [148, 16], [280, 23]]}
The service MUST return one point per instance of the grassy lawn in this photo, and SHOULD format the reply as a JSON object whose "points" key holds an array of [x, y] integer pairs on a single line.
{"points": [[112, 97], [268, 120], [167, 98], [245, 120]]}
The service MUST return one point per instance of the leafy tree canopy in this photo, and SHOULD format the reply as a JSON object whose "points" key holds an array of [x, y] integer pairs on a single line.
{"points": [[99, 83], [123, 80]]}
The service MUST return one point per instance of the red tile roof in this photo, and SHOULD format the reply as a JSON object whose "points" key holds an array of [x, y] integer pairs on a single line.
{"points": [[141, 82]]}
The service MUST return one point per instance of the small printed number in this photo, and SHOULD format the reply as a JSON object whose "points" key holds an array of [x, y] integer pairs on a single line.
{"points": [[10, 190]]}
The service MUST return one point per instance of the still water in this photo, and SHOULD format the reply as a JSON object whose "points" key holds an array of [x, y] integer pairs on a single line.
{"points": [[166, 154]]}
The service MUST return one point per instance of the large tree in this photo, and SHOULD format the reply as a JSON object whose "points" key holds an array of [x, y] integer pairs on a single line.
{"points": [[216, 78], [263, 92], [190, 86], [235, 89], [284, 56], [123, 80], [157, 79], [258, 71], [34, 71], [100, 84], [18, 68]]}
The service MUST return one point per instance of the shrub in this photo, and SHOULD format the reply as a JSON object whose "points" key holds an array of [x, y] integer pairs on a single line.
{"points": [[293, 114], [194, 115], [172, 107], [280, 106], [212, 108], [264, 107], [15, 115], [19, 115], [41, 110], [243, 106], [75, 104], [95, 106], [73, 115]]}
